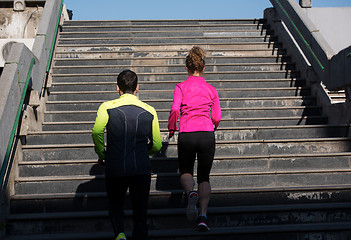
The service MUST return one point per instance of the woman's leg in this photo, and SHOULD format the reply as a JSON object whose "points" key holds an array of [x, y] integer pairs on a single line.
{"points": [[186, 159], [187, 182], [205, 155], [204, 195]]}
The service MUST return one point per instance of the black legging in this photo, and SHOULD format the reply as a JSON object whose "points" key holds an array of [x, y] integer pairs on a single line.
{"points": [[139, 189], [201, 144]]}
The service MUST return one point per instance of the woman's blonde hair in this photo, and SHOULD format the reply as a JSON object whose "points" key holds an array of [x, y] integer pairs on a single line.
{"points": [[195, 61]]}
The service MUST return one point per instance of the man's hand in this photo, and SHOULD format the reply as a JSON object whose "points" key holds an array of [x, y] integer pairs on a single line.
{"points": [[101, 162], [171, 133]]}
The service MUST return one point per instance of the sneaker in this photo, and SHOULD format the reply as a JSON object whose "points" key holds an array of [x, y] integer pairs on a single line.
{"points": [[191, 211], [202, 224], [121, 236]]}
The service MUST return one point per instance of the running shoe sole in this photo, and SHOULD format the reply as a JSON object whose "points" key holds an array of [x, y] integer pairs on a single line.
{"points": [[203, 227]]}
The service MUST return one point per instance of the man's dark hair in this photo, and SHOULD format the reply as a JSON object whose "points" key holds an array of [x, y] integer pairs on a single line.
{"points": [[127, 81]]}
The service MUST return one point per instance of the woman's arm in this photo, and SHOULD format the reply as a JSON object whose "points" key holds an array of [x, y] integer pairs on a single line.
{"points": [[175, 111], [216, 111]]}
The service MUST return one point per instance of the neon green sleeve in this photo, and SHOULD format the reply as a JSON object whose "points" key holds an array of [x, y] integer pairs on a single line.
{"points": [[98, 131], [156, 136]]}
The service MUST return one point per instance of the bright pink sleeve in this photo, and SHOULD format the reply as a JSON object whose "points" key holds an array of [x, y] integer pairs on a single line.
{"points": [[175, 110], [216, 111]]}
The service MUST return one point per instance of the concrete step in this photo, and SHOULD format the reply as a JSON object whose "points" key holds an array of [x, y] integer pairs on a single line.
{"points": [[175, 51], [223, 147], [67, 29], [286, 231], [222, 133], [170, 181], [61, 62], [233, 122], [149, 85], [243, 216], [104, 51], [163, 94], [227, 113], [167, 103], [221, 164], [171, 68], [97, 201], [180, 76], [164, 40], [163, 33], [158, 23]]}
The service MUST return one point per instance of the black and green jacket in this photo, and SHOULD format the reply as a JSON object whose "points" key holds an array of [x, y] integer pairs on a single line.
{"points": [[133, 133]]}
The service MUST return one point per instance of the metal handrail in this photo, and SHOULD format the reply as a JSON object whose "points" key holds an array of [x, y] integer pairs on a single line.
{"points": [[54, 38]]}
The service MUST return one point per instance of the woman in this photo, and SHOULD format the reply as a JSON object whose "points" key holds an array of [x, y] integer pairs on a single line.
{"points": [[197, 104]]}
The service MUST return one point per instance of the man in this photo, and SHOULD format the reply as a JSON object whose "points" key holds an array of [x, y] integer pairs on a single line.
{"points": [[133, 134]]}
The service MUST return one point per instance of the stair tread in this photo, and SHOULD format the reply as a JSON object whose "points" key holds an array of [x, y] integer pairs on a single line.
{"points": [[169, 65], [237, 209], [217, 158], [287, 140], [171, 73], [175, 81], [213, 174], [180, 192], [215, 231], [222, 120], [167, 110], [275, 57], [170, 100], [219, 129], [172, 90], [137, 44]]}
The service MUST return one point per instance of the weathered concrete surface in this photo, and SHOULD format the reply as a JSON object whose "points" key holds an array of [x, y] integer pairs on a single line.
{"points": [[6, 44], [20, 24], [333, 24], [12, 82], [306, 3]]}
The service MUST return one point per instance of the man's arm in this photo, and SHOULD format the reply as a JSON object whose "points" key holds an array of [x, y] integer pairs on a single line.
{"points": [[98, 131], [156, 136]]}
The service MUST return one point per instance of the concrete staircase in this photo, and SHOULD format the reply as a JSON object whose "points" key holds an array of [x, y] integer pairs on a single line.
{"points": [[280, 170]]}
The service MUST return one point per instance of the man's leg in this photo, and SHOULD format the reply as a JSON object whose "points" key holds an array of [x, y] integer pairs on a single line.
{"points": [[116, 189], [139, 191]]}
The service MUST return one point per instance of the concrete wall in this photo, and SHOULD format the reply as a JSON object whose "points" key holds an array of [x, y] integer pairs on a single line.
{"points": [[12, 82], [16, 70], [333, 24], [20, 24]]}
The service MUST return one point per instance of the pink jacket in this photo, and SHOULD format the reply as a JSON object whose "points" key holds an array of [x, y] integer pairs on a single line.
{"points": [[197, 103]]}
